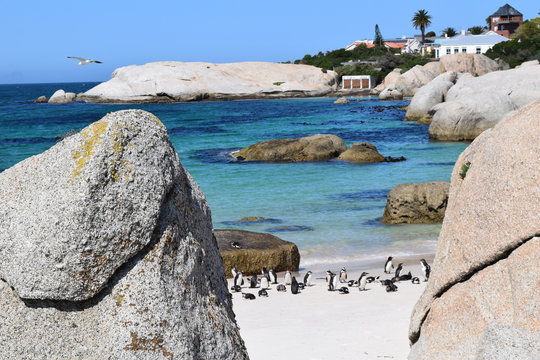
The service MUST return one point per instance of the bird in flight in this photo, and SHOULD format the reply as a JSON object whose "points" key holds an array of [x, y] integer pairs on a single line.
{"points": [[83, 61]]}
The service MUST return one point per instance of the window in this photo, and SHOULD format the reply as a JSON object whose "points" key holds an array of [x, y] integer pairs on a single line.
{"points": [[448, 51], [456, 50], [478, 50], [464, 50]]}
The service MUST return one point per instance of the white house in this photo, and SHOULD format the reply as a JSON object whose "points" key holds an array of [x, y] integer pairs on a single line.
{"points": [[469, 44], [358, 82]]}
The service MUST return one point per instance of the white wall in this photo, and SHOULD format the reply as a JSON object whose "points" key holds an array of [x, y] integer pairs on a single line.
{"points": [[471, 49]]}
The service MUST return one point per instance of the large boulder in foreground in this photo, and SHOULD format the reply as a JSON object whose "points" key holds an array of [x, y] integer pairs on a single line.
{"points": [[362, 153], [310, 148], [107, 251], [388, 82], [416, 203], [428, 96], [482, 295], [475, 104], [169, 81], [410, 81], [253, 251]]}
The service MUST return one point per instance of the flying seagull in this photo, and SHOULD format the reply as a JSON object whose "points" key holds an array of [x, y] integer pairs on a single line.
{"points": [[84, 61]]}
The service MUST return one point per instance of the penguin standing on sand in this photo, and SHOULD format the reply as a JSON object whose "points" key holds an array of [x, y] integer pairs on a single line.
{"points": [[238, 279], [343, 275], [328, 275], [294, 286], [265, 273], [362, 281], [273, 276], [253, 282], [399, 270], [264, 283], [288, 278], [234, 271], [307, 279], [388, 266], [426, 269]]}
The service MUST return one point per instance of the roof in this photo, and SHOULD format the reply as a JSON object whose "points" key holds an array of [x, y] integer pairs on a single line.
{"points": [[394, 45], [487, 39], [507, 10]]}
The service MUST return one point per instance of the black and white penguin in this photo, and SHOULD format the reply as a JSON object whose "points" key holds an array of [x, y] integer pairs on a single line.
{"points": [[288, 278], [362, 281], [294, 286], [301, 286], [352, 283], [248, 296], [388, 265], [405, 277], [253, 281], [343, 275], [391, 287], [307, 279], [263, 293], [281, 288], [332, 284], [370, 279], [344, 290], [236, 288], [265, 273], [238, 279], [399, 270], [236, 245], [234, 271], [264, 283], [426, 269], [273, 276], [328, 275], [416, 280]]}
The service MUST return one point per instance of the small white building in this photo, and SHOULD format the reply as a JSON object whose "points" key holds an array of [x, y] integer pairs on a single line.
{"points": [[358, 82], [469, 44]]}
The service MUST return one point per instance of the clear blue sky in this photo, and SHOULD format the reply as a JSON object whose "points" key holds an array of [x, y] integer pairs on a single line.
{"points": [[38, 35]]}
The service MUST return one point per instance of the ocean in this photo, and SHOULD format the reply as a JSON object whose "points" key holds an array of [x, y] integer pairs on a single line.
{"points": [[331, 210]]}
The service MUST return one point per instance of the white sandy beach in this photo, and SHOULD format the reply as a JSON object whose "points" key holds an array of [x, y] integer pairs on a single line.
{"points": [[317, 324]]}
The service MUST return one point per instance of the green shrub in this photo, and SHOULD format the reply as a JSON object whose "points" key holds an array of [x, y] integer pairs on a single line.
{"points": [[464, 168]]}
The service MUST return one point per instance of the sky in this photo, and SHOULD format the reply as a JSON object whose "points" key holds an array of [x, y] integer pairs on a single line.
{"points": [[37, 36]]}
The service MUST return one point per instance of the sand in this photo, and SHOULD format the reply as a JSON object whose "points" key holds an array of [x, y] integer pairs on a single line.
{"points": [[319, 324]]}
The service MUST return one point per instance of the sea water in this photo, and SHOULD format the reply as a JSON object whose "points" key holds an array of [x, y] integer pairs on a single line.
{"points": [[334, 207]]}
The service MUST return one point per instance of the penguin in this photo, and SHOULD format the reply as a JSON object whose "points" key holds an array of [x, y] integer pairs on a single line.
{"points": [[301, 286], [370, 279], [238, 279], [234, 271], [288, 278], [328, 275], [399, 270], [388, 266], [236, 288], [248, 296], [426, 269], [335, 282], [264, 283], [253, 281], [344, 290], [362, 281], [307, 279], [263, 292], [236, 245], [386, 282], [405, 277], [273, 276], [281, 288], [265, 273], [391, 288], [351, 283], [294, 286], [415, 280], [343, 275]]}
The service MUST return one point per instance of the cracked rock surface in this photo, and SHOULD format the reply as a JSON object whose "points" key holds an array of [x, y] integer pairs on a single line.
{"points": [[107, 252], [485, 273]]}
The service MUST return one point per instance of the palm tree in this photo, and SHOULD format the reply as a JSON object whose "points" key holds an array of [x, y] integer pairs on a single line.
{"points": [[449, 32], [477, 30], [422, 20]]}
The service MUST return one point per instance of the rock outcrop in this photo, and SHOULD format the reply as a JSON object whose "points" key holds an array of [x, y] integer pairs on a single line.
{"points": [[62, 97], [107, 251], [391, 94], [169, 81], [361, 153], [416, 203], [410, 81], [428, 96], [474, 64], [388, 82], [528, 63], [341, 101], [475, 104], [253, 251], [482, 295], [41, 99], [310, 148]]}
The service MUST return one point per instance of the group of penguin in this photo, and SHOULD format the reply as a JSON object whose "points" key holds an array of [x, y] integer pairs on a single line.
{"points": [[332, 279]]}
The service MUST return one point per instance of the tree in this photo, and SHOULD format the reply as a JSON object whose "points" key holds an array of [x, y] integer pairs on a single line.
{"points": [[529, 30], [449, 31], [378, 40], [476, 30], [431, 34], [421, 20]]}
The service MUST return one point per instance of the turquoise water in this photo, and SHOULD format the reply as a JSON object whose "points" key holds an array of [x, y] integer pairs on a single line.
{"points": [[336, 205]]}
